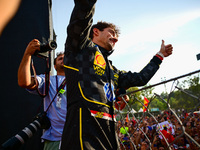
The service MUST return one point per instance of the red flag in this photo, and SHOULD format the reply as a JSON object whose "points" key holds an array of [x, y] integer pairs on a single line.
{"points": [[146, 102], [169, 137]]}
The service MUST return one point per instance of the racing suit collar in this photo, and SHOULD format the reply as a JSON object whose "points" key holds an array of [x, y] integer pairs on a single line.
{"points": [[105, 52]]}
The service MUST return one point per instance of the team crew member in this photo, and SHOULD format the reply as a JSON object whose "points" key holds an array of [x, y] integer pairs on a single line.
{"points": [[58, 109], [92, 79]]}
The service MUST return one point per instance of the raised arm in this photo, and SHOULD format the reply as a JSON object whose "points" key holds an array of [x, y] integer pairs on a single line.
{"points": [[24, 73], [79, 25]]}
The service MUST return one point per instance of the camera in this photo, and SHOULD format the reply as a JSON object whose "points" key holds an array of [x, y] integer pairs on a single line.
{"points": [[50, 45], [15, 142], [44, 120], [45, 47]]}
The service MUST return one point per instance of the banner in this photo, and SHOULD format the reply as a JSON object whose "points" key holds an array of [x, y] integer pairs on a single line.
{"points": [[166, 124]]}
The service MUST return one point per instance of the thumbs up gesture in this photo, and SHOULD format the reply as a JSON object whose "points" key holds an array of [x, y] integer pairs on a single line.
{"points": [[166, 50]]}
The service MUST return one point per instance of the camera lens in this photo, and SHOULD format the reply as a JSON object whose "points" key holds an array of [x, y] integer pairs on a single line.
{"points": [[53, 45]]}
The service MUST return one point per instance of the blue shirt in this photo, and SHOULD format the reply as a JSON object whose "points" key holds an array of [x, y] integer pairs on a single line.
{"points": [[58, 109]]}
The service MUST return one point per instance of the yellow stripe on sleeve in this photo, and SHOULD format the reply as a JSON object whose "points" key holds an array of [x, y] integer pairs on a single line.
{"points": [[71, 68]]}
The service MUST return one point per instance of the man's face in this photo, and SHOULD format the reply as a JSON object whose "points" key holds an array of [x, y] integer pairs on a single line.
{"points": [[59, 62], [107, 38]]}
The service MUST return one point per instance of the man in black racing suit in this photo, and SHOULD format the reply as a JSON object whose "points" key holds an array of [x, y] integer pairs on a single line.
{"points": [[92, 79]]}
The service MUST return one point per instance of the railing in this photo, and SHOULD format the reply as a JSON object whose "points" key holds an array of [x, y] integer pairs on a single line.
{"points": [[168, 129]]}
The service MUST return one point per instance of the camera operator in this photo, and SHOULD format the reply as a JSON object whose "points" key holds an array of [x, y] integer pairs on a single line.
{"points": [[57, 110]]}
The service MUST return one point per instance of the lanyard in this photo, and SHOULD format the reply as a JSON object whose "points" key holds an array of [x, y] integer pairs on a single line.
{"points": [[59, 90], [56, 83]]}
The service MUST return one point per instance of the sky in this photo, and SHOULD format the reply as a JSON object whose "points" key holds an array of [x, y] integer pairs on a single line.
{"points": [[143, 24]]}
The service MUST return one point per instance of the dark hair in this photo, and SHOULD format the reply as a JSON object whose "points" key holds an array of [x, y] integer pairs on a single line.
{"points": [[165, 128], [102, 25], [57, 54]]}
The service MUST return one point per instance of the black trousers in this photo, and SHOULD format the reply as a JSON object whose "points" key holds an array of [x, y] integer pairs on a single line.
{"points": [[83, 131]]}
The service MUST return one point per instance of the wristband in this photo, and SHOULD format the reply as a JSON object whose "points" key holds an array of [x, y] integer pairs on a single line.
{"points": [[161, 58], [159, 53]]}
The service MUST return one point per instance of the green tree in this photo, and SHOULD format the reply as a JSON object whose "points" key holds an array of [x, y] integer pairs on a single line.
{"points": [[181, 100], [148, 93], [136, 105]]}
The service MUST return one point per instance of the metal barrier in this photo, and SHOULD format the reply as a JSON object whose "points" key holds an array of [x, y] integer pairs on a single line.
{"points": [[168, 129]]}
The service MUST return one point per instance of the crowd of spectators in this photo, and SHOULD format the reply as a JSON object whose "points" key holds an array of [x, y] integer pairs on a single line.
{"points": [[145, 133]]}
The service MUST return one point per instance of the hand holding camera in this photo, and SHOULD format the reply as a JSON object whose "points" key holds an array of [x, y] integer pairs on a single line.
{"points": [[35, 47]]}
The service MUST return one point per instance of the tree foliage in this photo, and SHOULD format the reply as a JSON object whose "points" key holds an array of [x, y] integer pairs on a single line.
{"points": [[178, 99], [184, 101]]}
